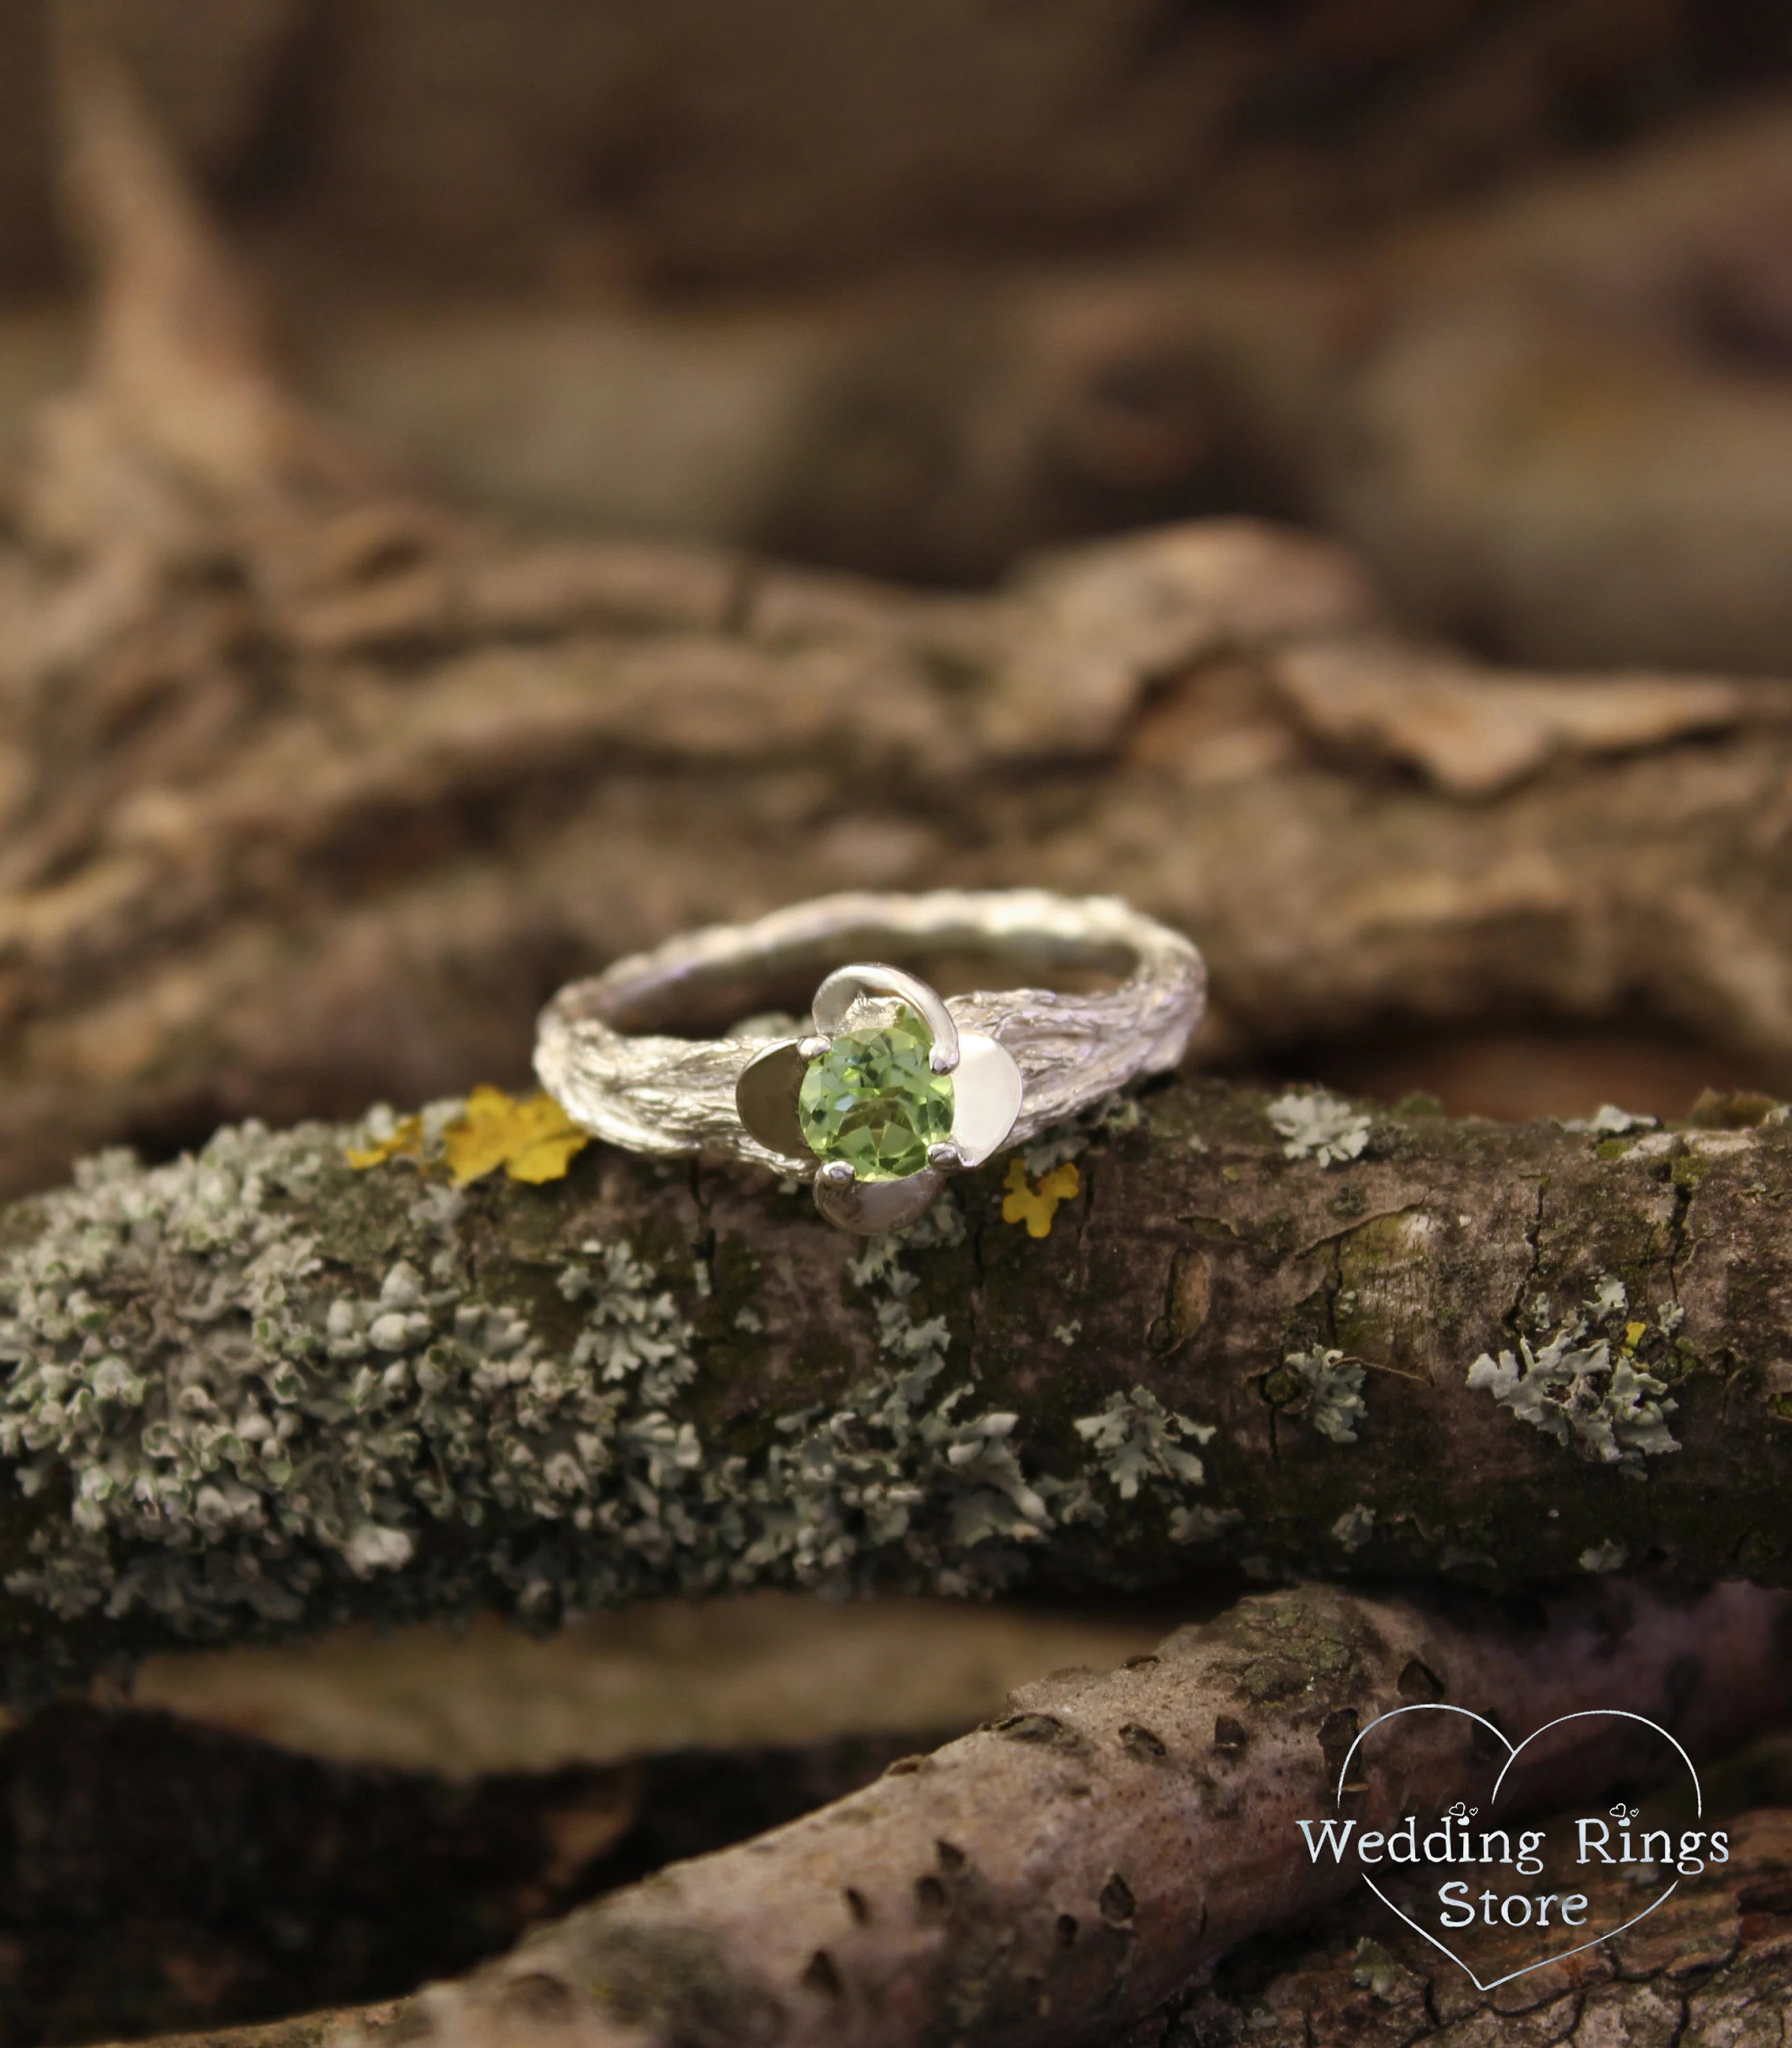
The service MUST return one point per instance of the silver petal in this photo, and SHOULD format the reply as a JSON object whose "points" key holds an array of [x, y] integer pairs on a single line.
{"points": [[870, 1206], [986, 1096], [766, 1099], [835, 997]]}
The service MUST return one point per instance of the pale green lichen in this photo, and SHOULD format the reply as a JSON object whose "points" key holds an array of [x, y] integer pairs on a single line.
{"points": [[1374, 1970], [236, 1425], [1136, 1439], [1609, 1556], [1328, 1392], [1313, 1125], [1609, 1121], [892, 1466], [1354, 1526], [1582, 1385], [1135, 1443], [229, 1427], [1610, 1297]]}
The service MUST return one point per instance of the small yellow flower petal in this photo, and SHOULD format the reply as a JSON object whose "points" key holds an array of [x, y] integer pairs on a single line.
{"points": [[1035, 1207]]}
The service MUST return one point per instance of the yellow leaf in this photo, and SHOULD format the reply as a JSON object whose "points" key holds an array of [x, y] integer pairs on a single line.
{"points": [[548, 1158], [1633, 1336], [533, 1141], [405, 1141], [1035, 1207]]}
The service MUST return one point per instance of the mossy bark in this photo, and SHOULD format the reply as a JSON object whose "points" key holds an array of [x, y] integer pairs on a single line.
{"points": [[263, 1390]]}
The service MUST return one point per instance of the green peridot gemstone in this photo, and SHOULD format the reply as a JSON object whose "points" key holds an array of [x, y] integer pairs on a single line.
{"points": [[872, 1099]]}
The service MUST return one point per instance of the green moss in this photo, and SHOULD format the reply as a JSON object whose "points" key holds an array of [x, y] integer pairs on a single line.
{"points": [[1417, 1104], [736, 1270]]}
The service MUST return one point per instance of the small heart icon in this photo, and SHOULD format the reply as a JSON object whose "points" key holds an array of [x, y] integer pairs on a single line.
{"points": [[1528, 1867]]}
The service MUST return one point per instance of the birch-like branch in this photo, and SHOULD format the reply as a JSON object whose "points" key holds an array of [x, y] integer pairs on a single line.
{"points": [[1713, 1967], [1080, 1861]]}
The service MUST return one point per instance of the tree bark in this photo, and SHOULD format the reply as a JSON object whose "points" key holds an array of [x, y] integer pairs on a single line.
{"points": [[450, 148], [1554, 425], [259, 1390], [1711, 1968], [305, 783], [1075, 1865]]}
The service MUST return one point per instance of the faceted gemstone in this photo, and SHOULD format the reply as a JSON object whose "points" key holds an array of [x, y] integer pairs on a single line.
{"points": [[872, 1099]]}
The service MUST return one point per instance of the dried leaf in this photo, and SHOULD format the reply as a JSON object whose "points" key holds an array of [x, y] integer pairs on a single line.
{"points": [[533, 1141], [404, 1141], [1022, 1202]]}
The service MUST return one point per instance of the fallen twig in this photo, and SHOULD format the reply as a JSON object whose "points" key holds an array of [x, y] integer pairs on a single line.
{"points": [[1075, 1865]]}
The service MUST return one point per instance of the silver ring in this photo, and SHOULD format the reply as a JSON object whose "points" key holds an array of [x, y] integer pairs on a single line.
{"points": [[885, 1089]]}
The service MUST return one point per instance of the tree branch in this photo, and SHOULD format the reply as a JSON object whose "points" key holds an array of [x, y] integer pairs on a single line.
{"points": [[303, 782], [1077, 1863], [258, 1390], [1714, 1960], [1709, 1968], [159, 1873]]}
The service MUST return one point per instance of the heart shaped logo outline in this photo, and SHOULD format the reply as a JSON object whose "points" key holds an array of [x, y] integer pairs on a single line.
{"points": [[1513, 1751]]}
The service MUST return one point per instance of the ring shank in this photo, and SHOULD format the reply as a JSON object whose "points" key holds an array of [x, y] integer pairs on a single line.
{"points": [[599, 1053]]}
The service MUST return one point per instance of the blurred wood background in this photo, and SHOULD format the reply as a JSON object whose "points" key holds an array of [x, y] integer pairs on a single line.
{"points": [[326, 751]]}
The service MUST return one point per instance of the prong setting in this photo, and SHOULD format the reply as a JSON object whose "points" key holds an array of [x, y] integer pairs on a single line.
{"points": [[875, 1092], [665, 1094], [947, 1157], [845, 985]]}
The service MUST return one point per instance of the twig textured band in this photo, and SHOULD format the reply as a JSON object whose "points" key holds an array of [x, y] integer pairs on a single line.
{"points": [[599, 1052]]}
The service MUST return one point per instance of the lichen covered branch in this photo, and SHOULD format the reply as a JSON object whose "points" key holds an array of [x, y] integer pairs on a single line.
{"points": [[259, 1389]]}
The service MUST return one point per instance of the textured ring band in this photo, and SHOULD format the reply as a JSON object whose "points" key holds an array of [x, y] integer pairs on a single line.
{"points": [[886, 1089]]}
